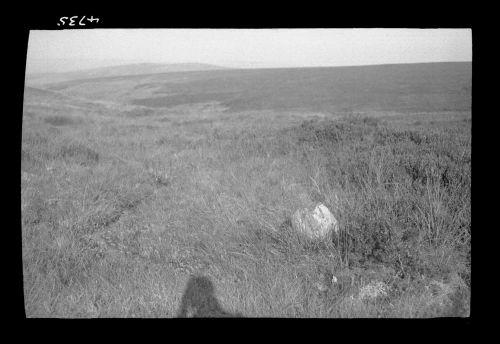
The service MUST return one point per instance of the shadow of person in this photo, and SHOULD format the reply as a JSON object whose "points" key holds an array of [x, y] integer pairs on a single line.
{"points": [[199, 301]]}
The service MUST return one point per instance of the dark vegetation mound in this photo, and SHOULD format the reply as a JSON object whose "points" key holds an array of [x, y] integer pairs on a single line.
{"points": [[412, 190]]}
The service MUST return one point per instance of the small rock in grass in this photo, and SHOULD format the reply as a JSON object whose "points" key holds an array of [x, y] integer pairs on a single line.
{"points": [[316, 224]]}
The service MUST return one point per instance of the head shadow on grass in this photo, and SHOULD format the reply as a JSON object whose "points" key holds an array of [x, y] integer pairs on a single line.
{"points": [[199, 301]]}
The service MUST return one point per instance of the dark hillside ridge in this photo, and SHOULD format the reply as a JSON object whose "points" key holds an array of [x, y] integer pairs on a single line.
{"points": [[399, 87]]}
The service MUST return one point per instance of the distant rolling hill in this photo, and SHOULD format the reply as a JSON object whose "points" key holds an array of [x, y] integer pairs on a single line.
{"points": [[400, 87], [112, 71]]}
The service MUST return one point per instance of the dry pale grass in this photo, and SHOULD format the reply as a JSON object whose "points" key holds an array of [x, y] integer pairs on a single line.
{"points": [[120, 212]]}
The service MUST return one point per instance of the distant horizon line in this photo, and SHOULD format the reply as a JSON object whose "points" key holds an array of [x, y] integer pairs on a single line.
{"points": [[242, 67]]}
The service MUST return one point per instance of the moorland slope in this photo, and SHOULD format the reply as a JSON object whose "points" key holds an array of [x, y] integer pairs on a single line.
{"points": [[400, 88]]}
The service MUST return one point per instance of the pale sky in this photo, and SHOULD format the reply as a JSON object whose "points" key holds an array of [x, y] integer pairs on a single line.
{"points": [[62, 50]]}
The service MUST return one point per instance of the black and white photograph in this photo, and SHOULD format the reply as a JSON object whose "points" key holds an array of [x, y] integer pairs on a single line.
{"points": [[246, 172]]}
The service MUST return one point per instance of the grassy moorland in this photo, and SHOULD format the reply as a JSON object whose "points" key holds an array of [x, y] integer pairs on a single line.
{"points": [[123, 205], [403, 88]]}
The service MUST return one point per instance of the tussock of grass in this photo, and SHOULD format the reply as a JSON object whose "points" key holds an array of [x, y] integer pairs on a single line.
{"points": [[79, 154], [62, 120], [138, 112]]}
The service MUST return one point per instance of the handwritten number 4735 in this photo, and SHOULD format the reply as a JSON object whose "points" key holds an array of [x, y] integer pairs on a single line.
{"points": [[73, 20]]}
